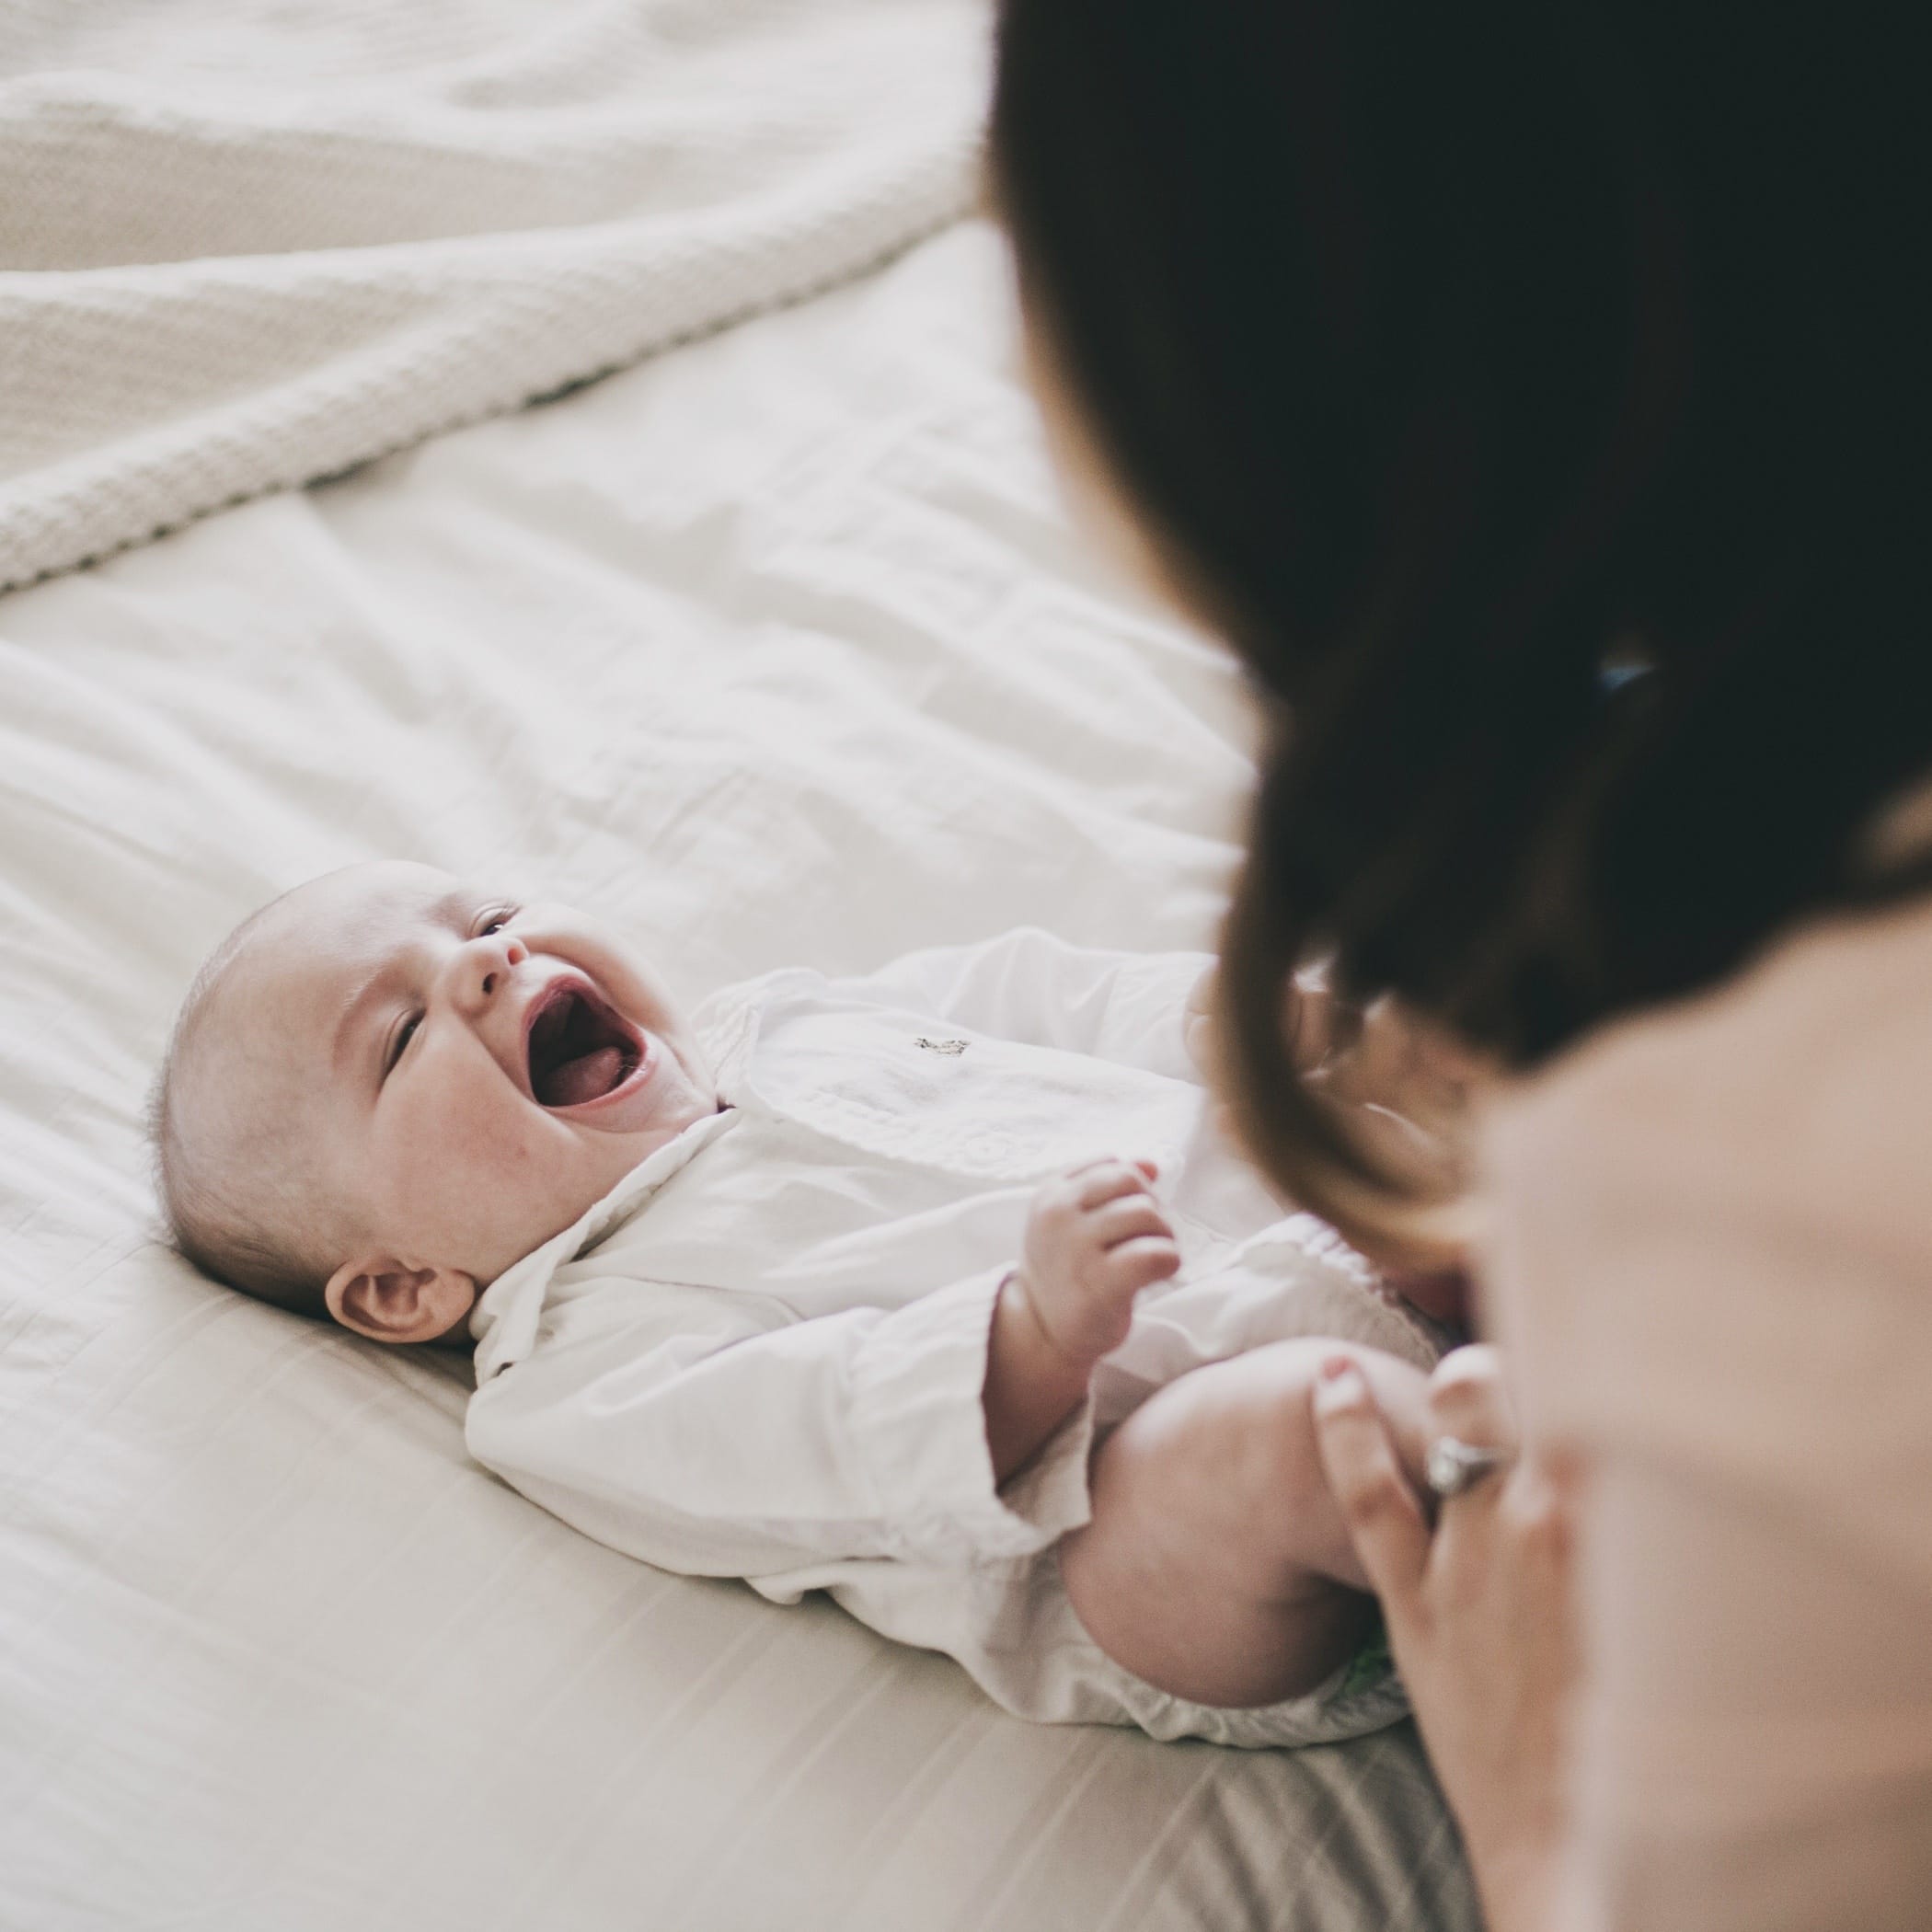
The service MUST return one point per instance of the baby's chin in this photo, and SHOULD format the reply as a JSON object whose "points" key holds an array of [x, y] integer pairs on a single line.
{"points": [[611, 1141]]}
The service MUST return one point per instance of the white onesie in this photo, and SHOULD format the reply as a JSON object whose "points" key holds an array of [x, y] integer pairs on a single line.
{"points": [[762, 1353]]}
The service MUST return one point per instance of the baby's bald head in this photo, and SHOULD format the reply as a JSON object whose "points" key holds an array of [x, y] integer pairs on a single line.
{"points": [[240, 1195]]}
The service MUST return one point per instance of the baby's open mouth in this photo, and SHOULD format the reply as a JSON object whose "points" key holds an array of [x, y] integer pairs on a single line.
{"points": [[579, 1049]]}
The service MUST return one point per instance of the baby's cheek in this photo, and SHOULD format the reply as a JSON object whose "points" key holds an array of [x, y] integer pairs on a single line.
{"points": [[507, 1150], [482, 1166]]}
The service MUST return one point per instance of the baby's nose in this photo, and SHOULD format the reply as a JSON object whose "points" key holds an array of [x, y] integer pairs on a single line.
{"points": [[493, 957]]}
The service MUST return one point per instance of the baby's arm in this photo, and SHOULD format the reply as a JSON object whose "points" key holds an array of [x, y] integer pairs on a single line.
{"points": [[712, 1432], [1095, 1240]]}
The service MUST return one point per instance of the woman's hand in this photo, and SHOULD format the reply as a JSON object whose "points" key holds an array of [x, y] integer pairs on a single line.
{"points": [[1480, 1618]]}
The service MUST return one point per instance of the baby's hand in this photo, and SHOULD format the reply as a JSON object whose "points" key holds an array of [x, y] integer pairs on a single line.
{"points": [[1094, 1239]]}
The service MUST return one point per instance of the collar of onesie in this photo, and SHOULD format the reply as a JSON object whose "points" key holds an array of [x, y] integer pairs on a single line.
{"points": [[504, 1322]]}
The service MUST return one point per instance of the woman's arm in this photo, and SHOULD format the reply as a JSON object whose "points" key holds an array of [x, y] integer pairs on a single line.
{"points": [[1756, 1734]]}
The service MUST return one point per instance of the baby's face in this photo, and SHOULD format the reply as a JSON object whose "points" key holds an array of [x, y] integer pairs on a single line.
{"points": [[466, 1074]]}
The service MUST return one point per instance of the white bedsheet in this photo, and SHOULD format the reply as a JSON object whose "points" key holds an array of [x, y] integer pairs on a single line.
{"points": [[776, 649]]}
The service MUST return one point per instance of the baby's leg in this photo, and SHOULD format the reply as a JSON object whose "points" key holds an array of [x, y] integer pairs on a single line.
{"points": [[1216, 1566]]}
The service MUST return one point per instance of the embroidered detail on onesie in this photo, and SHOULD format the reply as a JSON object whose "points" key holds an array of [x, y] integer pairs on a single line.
{"points": [[940, 1046]]}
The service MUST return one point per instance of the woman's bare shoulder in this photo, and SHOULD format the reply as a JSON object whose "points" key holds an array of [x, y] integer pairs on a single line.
{"points": [[1710, 1246], [1807, 1078]]}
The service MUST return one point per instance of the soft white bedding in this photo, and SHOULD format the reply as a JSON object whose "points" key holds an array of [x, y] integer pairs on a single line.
{"points": [[777, 649], [245, 243]]}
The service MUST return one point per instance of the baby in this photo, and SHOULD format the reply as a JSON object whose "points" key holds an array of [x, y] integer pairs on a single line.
{"points": [[834, 1285]]}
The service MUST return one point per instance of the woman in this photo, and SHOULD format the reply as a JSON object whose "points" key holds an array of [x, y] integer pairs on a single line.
{"points": [[1530, 393]]}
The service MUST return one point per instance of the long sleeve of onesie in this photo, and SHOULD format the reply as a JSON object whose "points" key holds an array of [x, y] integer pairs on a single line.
{"points": [[712, 1432]]}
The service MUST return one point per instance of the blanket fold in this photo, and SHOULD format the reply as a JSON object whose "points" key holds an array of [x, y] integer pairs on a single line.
{"points": [[247, 243]]}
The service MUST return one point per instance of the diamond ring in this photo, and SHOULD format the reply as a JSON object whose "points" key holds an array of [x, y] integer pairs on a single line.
{"points": [[1454, 1465]]}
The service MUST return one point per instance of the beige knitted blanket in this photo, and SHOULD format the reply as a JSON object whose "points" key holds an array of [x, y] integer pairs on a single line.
{"points": [[245, 243]]}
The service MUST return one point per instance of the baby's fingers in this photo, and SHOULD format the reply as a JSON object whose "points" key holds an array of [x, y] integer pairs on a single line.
{"points": [[1139, 1263], [1105, 1180], [1123, 1219]]}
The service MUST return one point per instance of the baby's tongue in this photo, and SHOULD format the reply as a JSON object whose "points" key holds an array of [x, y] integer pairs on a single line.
{"points": [[587, 1078]]}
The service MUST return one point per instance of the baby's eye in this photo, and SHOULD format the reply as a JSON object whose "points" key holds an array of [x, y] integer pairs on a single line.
{"points": [[400, 1039], [495, 921]]}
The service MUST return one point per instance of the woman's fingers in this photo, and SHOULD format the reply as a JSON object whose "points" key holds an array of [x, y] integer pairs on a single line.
{"points": [[1470, 1399], [1384, 1516], [1541, 1498], [1479, 1617]]}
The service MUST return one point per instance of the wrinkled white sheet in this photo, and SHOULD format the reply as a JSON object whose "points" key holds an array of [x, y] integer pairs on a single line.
{"points": [[245, 243], [776, 649]]}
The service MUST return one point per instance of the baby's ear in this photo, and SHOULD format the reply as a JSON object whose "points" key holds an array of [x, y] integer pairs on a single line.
{"points": [[388, 1300]]}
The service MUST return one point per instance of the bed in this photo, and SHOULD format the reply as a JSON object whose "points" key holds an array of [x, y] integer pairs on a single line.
{"points": [[776, 648]]}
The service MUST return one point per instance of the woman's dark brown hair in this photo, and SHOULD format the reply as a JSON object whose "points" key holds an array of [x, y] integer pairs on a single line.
{"points": [[1534, 391]]}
